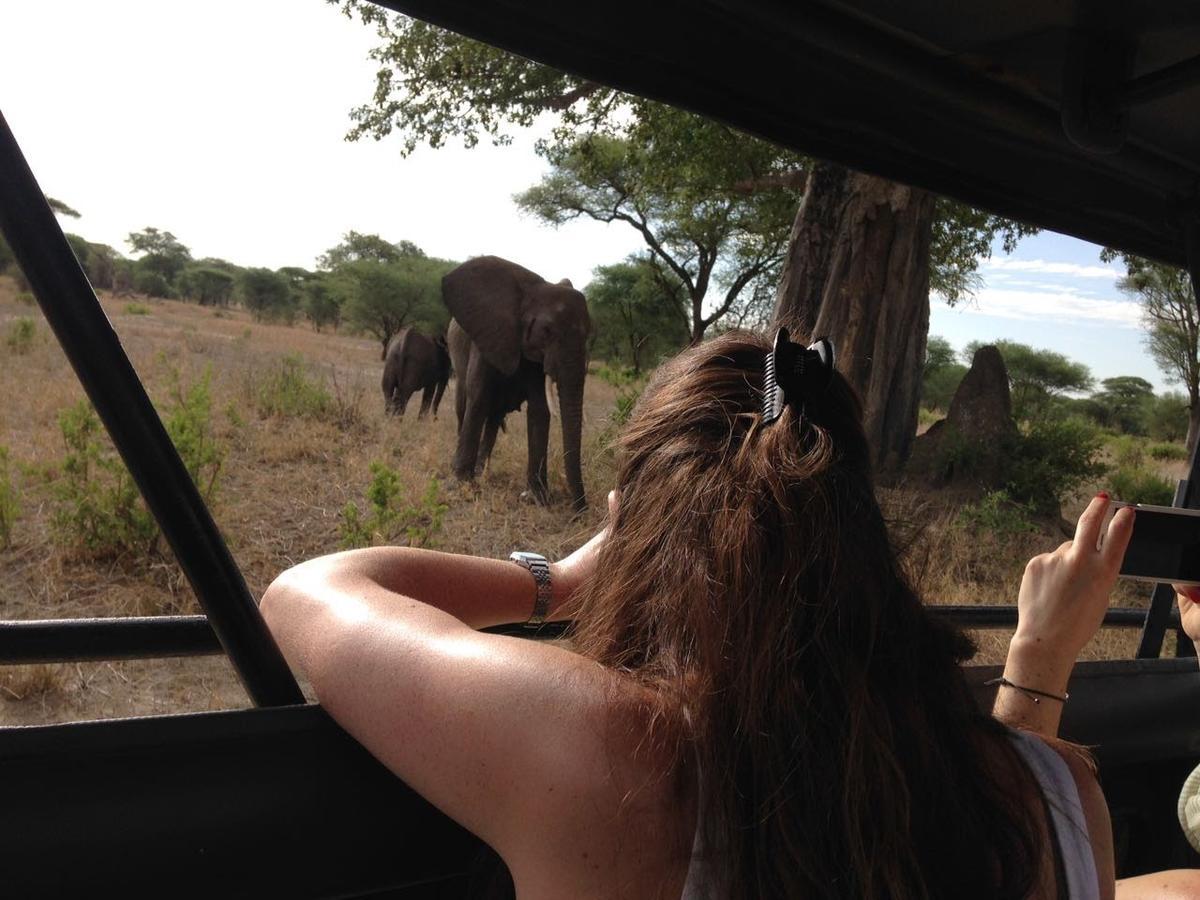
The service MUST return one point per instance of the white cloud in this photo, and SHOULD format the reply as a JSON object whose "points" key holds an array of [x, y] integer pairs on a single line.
{"points": [[1046, 267], [1061, 306]]}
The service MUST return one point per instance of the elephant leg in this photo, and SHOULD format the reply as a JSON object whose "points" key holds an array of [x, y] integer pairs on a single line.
{"points": [[438, 390], [426, 399], [537, 417], [489, 440], [400, 401], [460, 400], [477, 383]]}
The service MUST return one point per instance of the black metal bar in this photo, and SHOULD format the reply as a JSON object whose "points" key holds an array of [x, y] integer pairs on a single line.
{"points": [[81, 640], [1006, 616], [1162, 597], [1156, 85], [157, 637], [74, 313], [1162, 601]]}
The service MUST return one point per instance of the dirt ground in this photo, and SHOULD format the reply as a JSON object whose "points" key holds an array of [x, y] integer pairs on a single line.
{"points": [[285, 480]]}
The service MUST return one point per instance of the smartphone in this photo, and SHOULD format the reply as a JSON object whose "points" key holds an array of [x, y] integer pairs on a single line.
{"points": [[1165, 545]]}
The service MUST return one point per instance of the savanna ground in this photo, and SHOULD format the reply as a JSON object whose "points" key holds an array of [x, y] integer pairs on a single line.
{"points": [[285, 479]]}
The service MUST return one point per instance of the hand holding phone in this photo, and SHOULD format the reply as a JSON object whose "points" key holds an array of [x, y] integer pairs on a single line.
{"points": [[1165, 545]]}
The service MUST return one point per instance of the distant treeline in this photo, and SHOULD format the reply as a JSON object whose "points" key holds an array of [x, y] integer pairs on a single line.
{"points": [[375, 287]]}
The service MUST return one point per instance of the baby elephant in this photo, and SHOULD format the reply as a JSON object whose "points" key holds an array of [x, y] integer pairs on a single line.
{"points": [[415, 362]]}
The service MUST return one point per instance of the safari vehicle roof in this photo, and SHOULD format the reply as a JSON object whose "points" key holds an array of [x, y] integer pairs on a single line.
{"points": [[1079, 116]]}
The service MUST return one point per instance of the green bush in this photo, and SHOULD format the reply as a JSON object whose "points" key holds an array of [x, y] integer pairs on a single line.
{"points": [[26, 298], [151, 283], [20, 335], [998, 513], [1128, 451], [189, 422], [206, 286], [1167, 451], [137, 309], [389, 515], [10, 506], [97, 506], [288, 390], [617, 376], [1052, 460], [1136, 485]]}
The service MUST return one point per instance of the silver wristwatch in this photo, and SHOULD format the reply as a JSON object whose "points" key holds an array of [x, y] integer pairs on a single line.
{"points": [[539, 568]]}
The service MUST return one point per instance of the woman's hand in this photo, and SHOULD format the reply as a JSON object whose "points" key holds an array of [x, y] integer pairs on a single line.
{"points": [[1064, 594], [570, 572], [1062, 602]]}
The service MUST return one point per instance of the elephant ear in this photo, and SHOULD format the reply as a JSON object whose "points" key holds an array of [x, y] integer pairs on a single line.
{"points": [[485, 295]]}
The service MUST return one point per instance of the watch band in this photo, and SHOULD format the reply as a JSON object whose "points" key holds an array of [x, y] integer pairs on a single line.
{"points": [[539, 568]]}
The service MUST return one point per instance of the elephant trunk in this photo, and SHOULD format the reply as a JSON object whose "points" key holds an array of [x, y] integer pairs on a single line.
{"points": [[570, 400]]}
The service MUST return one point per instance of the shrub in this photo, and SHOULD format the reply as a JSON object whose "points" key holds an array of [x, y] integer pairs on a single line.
{"points": [[10, 507], [1167, 451], [290, 391], [151, 283], [20, 335], [998, 513], [98, 508], [1052, 461], [617, 376], [137, 309], [97, 505], [1127, 450], [190, 424], [1135, 485], [389, 515], [26, 298]]}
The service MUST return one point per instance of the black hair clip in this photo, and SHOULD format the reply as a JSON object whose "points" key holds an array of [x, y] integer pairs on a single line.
{"points": [[793, 374]]}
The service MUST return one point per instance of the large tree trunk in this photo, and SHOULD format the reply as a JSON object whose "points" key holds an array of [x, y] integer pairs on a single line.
{"points": [[858, 272], [1193, 423]]}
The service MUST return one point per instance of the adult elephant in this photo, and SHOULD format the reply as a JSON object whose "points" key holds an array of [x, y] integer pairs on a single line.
{"points": [[511, 329], [415, 362]]}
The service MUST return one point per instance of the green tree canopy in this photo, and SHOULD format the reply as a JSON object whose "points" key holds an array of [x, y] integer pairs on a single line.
{"points": [[637, 311], [321, 303], [1036, 376], [1124, 402], [1172, 322], [380, 298], [701, 230], [942, 374], [207, 285], [267, 295], [435, 86], [355, 247], [162, 253]]}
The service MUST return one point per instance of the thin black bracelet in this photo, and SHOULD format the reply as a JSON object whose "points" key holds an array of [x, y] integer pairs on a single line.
{"points": [[1032, 693]]}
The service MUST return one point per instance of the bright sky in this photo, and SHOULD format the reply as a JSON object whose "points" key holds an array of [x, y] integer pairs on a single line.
{"points": [[223, 123]]}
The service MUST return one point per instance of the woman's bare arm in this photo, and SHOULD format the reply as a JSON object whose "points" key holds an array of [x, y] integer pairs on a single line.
{"points": [[502, 734]]}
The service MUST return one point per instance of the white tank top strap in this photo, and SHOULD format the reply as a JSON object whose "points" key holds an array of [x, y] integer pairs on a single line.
{"points": [[1066, 815]]}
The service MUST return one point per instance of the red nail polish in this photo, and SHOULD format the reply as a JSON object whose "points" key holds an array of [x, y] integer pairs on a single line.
{"points": [[1191, 592], [1103, 494]]}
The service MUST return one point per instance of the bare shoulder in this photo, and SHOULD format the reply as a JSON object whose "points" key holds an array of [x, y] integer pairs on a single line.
{"points": [[1095, 811]]}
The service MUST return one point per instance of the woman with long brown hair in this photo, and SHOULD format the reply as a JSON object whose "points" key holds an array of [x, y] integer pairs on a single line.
{"points": [[755, 703]]}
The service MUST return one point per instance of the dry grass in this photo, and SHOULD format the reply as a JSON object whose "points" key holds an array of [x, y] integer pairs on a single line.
{"points": [[285, 481]]}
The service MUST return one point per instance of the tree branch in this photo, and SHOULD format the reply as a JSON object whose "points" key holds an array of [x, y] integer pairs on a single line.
{"points": [[570, 98], [792, 180]]}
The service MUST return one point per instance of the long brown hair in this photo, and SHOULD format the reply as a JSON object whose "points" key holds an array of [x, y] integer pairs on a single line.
{"points": [[749, 580]]}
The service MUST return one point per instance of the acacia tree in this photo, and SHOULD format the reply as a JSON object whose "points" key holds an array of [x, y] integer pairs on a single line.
{"points": [[638, 312], [863, 252], [704, 232], [1172, 323], [1036, 377]]}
